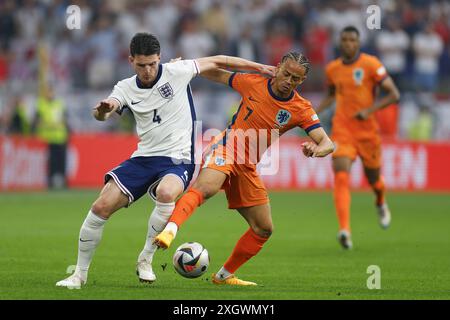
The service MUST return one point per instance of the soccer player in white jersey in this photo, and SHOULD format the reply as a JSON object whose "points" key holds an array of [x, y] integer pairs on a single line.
{"points": [[160, 98]]}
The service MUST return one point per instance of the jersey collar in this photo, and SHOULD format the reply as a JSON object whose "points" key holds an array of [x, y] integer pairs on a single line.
{"points": [[275, 96], [142, 86], [355, 58]]}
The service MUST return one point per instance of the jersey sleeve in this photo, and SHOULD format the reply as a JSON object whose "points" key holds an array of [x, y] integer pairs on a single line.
{"points": [[241, 82], [118, 94], [183, 70], [378, 70], [309, 119]]}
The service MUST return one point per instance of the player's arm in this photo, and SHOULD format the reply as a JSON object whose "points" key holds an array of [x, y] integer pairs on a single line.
{"points": [[393, 96], [217, 75], [105, 108], [214, 63], [328, 100], [321, 145]]}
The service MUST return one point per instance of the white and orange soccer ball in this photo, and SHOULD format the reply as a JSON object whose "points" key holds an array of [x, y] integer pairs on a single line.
{"points": [[191, 260]]}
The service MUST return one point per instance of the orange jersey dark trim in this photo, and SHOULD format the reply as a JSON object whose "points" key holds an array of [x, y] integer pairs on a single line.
{"points": [[264, 115], [355, 84]]}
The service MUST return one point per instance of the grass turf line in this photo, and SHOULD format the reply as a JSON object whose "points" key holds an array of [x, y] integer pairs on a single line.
{"points": [[302, 260]]}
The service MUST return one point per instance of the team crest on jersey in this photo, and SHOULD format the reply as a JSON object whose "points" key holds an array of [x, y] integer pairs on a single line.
{"points": [[283, 117], [358, 75], [166, 91], [219, 161]]}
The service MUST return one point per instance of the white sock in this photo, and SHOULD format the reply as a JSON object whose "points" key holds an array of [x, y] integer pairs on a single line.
{"points": [[222, 274], [90, 236], [158, 220], [172, 227]]}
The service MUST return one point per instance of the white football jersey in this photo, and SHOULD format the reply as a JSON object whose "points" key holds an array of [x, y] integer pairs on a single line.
{"points": [[164, 113]]}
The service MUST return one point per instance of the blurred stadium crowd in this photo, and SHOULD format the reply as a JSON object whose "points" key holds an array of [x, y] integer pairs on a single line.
{"points": [[82, 65]]}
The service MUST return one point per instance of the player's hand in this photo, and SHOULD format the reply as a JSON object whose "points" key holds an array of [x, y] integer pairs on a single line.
{"points": [[363, 114], [175, 60], [104, 106], [310, 149], [267, 70]]}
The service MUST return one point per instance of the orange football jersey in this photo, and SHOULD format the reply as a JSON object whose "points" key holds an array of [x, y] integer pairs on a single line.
{"points": [[355, 85], [261, 112]]}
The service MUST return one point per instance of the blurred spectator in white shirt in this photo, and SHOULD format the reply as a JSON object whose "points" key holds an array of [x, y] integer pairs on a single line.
{"points": [[101, 71], [340, 14], [130, 22], [216, 21], [192, 41], [30, 18], [253, 13], [161, 17], [245, 45], [392, 44], [428, 47]]}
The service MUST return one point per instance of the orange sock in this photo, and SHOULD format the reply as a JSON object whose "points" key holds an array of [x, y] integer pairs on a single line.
{"points": [[186, 206], [247, 246], [342, 199], [379, 189]]}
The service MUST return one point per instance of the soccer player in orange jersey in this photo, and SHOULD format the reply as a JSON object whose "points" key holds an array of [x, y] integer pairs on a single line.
{"points": [[352, 82], [268, 107]]}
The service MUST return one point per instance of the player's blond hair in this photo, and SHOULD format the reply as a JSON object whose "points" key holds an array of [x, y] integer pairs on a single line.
{"points": [[298, 57]]}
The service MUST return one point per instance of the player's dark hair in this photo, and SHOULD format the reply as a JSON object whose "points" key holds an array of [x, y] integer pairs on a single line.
{"points": [[144, 44], [350, 29], [299, 58]]}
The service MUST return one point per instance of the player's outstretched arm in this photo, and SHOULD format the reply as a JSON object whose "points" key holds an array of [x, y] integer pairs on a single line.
{"points": [[321, 145], [328, 100], [217, 75], [104, 109], [393, 96], [227, 62]]}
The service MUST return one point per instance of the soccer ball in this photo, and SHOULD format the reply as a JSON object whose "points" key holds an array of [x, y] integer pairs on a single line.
{"points": [[191, 260]]}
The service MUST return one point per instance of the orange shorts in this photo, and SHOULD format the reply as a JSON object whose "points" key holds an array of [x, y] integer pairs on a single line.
{"points": [[243, 186], [368, 150]]}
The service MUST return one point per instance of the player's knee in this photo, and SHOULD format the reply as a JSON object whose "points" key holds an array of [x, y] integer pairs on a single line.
{"points": [[101, 208], [373, 180], [165, 194], [263, 231]]}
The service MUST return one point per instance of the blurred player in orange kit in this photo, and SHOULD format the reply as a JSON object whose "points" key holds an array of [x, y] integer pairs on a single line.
{"points": [[352, 81], [267, 105]]}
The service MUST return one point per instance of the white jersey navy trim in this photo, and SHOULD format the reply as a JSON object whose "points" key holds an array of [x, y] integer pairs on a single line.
{"points": [[158, 76], [197, 68], [162, 110], [194, 118]]}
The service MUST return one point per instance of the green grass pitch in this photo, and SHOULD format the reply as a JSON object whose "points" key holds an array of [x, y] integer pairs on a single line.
{"points": [[302, 260]]}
